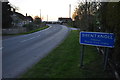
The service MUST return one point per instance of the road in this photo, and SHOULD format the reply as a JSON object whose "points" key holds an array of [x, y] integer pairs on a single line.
{"points": [[21, 52]]}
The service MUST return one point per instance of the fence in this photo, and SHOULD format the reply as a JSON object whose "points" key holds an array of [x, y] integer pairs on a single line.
{"points": [[111, 63], [14, 30]]}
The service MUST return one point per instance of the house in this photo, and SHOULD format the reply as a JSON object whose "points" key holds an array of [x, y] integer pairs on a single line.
{"points": [[19, 19], [28, 19], [64, 20]]}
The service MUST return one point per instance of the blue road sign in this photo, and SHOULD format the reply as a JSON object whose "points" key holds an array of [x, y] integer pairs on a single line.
{"points": [[97, 39]]}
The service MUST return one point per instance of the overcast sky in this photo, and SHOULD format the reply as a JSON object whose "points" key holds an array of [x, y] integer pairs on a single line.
{"points": [[52, 8]]}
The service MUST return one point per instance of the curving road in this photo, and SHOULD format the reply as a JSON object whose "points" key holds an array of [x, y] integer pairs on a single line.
{"points": [[21, 52]]}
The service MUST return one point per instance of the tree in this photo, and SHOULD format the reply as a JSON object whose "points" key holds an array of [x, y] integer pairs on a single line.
{"points": [[37, 20], [110, 21], [84, 15], [6, 15], [113, 23]]}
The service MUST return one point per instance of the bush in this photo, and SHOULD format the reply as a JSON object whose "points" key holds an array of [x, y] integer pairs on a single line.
{"points": [[29, 26]]}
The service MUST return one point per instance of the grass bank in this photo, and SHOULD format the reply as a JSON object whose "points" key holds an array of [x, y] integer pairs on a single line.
{"points": [[64, 62], [39, 29]]}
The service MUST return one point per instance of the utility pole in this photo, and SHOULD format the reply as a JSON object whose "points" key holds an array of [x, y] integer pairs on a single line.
{"points": [[69, 10], [47, 17], [40, 13]]}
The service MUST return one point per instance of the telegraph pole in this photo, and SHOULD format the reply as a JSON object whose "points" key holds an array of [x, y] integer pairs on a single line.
{"points": [[47, 17], [69, 10], [40, 13]]}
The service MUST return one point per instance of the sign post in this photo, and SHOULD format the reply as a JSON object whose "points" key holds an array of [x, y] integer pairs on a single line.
{"points": [[97, 39], [106, 58], [82, 55]]}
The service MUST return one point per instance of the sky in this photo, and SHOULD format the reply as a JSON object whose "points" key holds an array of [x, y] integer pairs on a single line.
{"points": [[52, 8]]}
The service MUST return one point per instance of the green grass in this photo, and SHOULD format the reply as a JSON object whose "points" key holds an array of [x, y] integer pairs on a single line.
{"points": [[39, 29], [71, 26], [64, 62]]}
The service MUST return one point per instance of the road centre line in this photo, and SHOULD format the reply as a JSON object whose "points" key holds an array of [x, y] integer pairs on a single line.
{"points": [[38, 31], [1, 48], [29, 39], [36, 36]]}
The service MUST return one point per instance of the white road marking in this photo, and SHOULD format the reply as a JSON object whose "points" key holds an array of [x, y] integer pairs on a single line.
{"points": [[30, 38], [1, 48], [38, 31]]}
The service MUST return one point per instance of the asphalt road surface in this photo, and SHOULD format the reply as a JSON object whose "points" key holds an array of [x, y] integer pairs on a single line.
{"points": [[21, 52]]}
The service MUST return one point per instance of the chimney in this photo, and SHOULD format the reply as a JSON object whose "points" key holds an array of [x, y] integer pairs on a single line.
{"points": [[26, 14], [13, 10]]}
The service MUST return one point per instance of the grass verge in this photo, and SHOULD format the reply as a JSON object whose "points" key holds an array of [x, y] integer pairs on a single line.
{"points": [[64, 62], [39, 29]]}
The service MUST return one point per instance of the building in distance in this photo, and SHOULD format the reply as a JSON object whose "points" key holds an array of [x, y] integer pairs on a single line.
{"points": [[64, 20]]}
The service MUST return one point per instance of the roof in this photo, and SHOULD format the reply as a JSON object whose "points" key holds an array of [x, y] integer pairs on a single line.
{"points": [[21, 16], [64, 18]]}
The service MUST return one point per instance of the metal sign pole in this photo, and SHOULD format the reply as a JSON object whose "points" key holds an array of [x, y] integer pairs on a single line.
{"points": [[104, 55], [106, 59], [82, 55], [96, 39]]}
